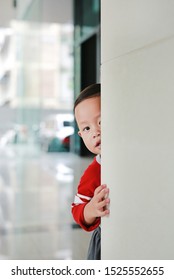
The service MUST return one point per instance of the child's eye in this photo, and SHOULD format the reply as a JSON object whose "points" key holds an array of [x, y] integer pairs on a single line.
{"points": [[86, 128]]}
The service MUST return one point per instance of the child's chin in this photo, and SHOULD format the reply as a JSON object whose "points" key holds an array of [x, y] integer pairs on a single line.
{"points": [[98, 150]]}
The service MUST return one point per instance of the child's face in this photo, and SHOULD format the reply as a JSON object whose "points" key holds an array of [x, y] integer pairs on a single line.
{"points": [[87, 114]]}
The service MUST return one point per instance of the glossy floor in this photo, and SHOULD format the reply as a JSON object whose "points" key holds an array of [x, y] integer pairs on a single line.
{"points": [[36, 191]]}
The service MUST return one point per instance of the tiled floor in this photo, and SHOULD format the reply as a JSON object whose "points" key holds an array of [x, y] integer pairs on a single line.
{"points": [[36, 191]]}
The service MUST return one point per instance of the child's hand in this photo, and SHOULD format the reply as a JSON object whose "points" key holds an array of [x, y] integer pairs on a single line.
{"points": [[97, 207]]}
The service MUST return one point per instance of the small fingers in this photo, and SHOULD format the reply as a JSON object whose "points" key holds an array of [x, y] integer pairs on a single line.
{"points": [[104, 213], [104, 203], [99, 189], [103, 194]]}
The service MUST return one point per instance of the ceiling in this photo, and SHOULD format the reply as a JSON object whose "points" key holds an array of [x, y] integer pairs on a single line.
{"points": [[58, 11]]}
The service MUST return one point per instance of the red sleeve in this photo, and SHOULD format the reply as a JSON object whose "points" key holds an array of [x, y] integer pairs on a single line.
{"points": [[77, 211], [88, 183]]}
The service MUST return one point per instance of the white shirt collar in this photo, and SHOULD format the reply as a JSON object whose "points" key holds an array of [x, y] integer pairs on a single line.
{"points": [[98, 159]]}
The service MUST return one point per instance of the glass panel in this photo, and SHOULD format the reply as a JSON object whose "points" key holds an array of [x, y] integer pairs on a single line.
{"points": [[43, 67], [90, 19], [36, 97], [86, 55]]}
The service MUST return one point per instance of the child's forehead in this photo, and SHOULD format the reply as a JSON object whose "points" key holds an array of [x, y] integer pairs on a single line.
{"points": [[88, 110], [90, 100], [88, 104]]}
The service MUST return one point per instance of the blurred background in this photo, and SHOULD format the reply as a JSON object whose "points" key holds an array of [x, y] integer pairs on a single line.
{"points": [[49, 51]]}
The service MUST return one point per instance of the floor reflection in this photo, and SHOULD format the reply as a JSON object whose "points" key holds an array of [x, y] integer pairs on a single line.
{"points": [[36, 190]]}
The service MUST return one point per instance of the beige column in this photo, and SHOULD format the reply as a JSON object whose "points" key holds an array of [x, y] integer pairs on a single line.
{"points": [[137, 75]]}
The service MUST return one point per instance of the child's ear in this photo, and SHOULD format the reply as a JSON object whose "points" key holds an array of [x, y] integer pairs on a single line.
{"points": [[79, 133]]}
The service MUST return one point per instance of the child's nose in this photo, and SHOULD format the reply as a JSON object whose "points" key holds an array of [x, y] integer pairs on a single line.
{"points": [[96, 132]]}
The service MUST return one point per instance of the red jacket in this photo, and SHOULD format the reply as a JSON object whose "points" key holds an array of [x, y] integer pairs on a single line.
{"points": [[88, 183]]}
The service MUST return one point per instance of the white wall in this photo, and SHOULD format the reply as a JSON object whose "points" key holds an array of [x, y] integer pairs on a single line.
{"points": [[137, 75]]}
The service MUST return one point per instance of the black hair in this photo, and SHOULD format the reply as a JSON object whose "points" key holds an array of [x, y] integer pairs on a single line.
{"points": [[88, 92]]}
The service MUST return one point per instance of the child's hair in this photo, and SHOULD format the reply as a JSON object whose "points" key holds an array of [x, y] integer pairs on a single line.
{"points": [[89, 92]]}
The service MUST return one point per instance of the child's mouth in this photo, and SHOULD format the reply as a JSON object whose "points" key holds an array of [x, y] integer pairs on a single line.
{"points": [[98, 144]]}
